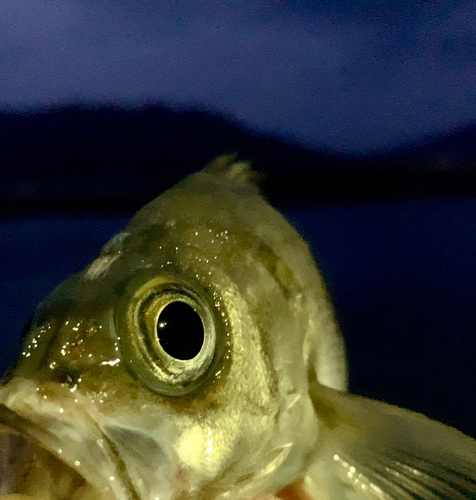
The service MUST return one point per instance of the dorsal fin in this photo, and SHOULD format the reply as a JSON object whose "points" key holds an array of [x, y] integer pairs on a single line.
{"points": [[235, 170]]}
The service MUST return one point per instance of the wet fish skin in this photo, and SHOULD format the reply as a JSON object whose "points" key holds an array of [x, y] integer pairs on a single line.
{"points": [[261, 411], [216, 235]]}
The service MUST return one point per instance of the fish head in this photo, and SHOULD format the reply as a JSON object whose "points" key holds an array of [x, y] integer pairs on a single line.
{"points": [[177, 364]]}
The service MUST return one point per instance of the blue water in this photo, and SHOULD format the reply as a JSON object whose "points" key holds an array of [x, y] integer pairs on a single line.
{"points": [[402, 275], [36, 255]]}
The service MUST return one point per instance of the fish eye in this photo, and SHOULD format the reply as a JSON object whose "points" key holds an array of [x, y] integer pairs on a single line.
{"points": [[170, 334]]}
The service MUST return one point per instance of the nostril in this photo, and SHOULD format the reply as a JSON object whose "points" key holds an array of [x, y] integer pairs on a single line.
{"points": [[64, 375]]}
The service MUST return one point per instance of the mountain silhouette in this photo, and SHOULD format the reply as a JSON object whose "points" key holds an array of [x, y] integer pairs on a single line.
{"points": [[113, 159]]}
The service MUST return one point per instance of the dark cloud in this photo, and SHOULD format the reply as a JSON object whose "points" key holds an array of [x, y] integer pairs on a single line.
{"points": [[353, 76]]}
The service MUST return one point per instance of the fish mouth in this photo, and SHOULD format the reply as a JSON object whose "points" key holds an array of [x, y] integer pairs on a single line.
{"points": [[30, 471], [31, 465]]}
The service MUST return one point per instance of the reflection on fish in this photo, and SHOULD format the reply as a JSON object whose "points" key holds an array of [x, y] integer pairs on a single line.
{"points": [[198, 358]]}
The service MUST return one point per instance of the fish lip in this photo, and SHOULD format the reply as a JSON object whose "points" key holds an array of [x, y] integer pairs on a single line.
{"points": [[25, 428]]}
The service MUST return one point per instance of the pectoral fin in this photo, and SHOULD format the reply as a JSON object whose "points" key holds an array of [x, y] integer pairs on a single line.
{"points": [[371, 450]]}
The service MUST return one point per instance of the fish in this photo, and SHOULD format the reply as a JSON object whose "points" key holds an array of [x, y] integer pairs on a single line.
{"points": [[198, 357]]}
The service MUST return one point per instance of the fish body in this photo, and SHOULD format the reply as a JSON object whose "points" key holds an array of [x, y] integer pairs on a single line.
{"points": [[198, 357]]}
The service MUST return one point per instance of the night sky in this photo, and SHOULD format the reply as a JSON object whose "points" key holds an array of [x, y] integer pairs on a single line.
{"points": [[353, 76]]}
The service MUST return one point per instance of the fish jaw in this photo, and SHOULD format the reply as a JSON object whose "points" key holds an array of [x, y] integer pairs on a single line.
{"points": [[54, 441]]}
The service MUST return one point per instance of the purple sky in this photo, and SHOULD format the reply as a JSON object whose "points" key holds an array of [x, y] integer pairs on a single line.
{"points": [[347, 75]]}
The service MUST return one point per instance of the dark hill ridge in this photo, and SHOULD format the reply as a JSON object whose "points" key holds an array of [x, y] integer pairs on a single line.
{"points": [[111, 159], [453, 149]]}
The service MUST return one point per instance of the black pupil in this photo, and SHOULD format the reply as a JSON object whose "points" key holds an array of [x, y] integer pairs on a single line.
{"points": [[180, 330]]}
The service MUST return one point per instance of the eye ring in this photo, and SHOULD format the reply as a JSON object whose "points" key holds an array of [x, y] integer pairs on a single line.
{"points": [[148, 314], [137, 316]]}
